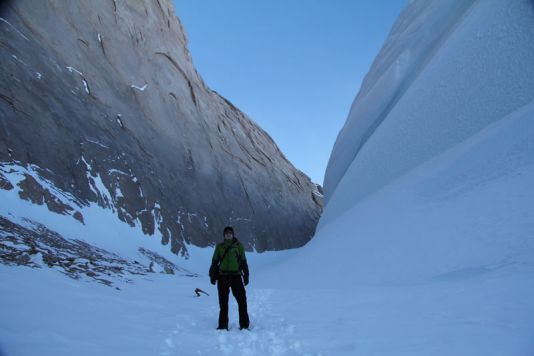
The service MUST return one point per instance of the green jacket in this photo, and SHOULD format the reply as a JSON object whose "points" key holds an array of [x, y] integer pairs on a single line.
{"points": [[234, 260]]}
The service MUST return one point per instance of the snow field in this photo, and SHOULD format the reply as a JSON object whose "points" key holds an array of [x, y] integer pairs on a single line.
{"points": [[158, 315], [269, 334]]}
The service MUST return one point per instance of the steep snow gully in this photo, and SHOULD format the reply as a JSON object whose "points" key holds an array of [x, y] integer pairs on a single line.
{"points": [[425, 246]]}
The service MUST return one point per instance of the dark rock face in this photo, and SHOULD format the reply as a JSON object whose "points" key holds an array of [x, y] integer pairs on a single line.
{"points": [[5, 184], [104, 91], [33, 191]]}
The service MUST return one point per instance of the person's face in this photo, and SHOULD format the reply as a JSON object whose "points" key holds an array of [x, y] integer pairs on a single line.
{"points": [[228, 235]]}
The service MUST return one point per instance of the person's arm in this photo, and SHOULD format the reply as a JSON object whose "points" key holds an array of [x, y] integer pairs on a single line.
{"points": [[215, 254], [244, 264], [214, 265]]}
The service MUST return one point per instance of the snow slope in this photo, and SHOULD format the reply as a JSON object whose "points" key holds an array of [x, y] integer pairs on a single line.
{"points": [[468, 211], [440, 262], [446, 71]]}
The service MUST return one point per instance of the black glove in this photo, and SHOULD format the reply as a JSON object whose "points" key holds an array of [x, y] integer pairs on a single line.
{"points": [[214, 272], [244, 270]]}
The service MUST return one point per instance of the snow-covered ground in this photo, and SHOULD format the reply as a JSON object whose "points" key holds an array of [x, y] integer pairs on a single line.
{"points": [[45, 313], [472, 312]]}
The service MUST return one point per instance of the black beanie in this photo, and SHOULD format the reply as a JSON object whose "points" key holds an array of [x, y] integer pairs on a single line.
{"points": [[228, 228]]}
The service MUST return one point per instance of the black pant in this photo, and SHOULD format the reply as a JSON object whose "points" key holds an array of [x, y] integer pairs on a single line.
{"points": [[224, 284]]}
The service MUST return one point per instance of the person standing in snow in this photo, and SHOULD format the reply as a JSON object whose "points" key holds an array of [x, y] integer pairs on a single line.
{"points": [[229, 269]]}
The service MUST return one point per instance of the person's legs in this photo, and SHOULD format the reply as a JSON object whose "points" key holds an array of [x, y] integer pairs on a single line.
{"points": [[238, 290], [223, 287]]}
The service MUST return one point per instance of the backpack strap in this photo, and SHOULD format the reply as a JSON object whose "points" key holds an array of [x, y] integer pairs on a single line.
{"points": [[226, 252], [243, 266]]}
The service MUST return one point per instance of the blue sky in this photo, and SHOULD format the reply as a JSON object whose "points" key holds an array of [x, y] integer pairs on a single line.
{"points": [[293, 66]]}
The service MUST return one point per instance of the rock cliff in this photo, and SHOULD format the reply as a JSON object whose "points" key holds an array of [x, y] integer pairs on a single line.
{"points": [[101, 99]]}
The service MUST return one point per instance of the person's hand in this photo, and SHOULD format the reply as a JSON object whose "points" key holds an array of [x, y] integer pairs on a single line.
{"points": [[213, 280], [245, 279]]}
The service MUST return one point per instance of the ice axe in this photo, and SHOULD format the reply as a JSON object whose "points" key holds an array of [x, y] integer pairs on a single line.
{"points": [[198, 291]]}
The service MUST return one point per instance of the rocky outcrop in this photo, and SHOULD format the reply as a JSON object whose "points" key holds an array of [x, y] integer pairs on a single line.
{"points": [[36, 246], [102, 99], [32, 191]]}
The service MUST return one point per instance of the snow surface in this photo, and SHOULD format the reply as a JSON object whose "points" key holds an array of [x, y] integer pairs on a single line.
{"points": [[74, 70], [86, 86], [159, 315], [138, 87], [14, 28]]}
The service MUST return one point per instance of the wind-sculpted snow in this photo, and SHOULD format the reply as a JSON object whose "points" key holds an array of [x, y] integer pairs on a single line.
{"points": [[447, 70], [440, 183], [465, 211], [411, 45]]}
